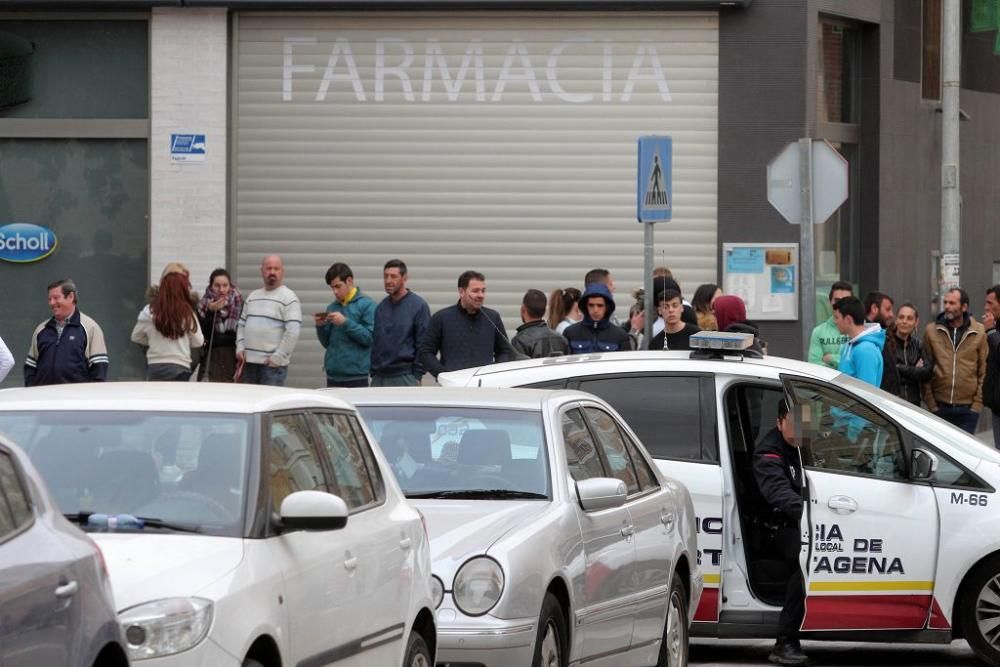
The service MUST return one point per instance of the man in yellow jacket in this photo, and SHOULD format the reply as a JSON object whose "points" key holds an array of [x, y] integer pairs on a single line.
{"points": [[957, 344]]}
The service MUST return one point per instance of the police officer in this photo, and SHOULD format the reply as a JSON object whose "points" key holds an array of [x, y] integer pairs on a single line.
{"points": [[778, 473]]}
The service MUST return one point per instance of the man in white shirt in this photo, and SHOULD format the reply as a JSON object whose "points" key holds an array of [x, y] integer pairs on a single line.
{"points": [[269, 328]]}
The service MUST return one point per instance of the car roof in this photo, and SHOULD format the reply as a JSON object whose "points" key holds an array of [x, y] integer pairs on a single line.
{"points": [[651, 360], [207, 397], [479, 397]]}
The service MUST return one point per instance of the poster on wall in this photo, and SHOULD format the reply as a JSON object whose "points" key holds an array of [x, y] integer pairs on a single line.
{"points": [[765, 276]]}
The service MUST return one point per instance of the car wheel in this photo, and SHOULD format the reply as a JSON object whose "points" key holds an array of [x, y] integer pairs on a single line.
{"points": [[980, 610], [551, 640], [417, 653], [251, 662], [674, 647]]}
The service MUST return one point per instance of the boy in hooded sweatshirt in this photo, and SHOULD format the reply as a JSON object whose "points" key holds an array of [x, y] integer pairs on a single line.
{"points": [[595, 333], [861, 356]]}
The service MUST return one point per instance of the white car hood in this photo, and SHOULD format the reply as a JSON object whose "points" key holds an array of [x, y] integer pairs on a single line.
{"points": [[144, 566], [461, 529]]}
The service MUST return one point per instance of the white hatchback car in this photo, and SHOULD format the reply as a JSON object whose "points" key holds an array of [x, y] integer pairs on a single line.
{"points": [[243, 526], [901, 534]]}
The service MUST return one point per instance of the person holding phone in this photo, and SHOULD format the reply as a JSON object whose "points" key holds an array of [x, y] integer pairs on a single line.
{"points": [[219, 314]]}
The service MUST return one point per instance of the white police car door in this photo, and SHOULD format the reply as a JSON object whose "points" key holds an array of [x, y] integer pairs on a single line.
{"points": [[873, 534]]}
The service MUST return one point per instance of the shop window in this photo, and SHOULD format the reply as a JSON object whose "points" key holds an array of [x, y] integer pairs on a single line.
{"points": [[931, 50], [838, 74], [981, 45]]}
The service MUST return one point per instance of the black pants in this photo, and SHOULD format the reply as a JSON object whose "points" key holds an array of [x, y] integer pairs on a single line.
{"points": [[794, 608]]}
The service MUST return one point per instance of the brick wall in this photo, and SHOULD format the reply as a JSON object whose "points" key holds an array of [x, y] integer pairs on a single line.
{"points": [[188, 86]]}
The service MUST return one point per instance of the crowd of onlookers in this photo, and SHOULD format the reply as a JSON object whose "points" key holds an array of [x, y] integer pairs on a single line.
{"points": [[224, 337]]}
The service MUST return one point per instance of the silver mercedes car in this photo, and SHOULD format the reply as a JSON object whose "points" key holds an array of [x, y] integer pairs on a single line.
{"points": [[554, 539]]}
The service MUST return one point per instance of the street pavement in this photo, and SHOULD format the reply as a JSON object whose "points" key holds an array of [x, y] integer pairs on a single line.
{"points": [[753, 653]]}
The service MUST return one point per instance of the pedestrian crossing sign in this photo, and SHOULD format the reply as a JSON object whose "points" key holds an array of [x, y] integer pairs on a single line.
{"points": [[655, 183]]}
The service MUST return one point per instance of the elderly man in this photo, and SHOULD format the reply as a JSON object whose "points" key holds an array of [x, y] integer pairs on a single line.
{"points": [[269, 328], [69, 346]]}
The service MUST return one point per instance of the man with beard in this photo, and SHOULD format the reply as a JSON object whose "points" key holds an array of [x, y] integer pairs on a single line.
{"points": [[957, 345], [878, 309], [466, 334], [400, 322], [269, 328]]}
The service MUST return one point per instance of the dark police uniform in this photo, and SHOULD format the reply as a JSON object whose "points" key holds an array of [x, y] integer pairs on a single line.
{"points": [[779, 477]]}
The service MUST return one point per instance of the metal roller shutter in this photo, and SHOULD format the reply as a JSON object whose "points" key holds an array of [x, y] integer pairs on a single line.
{"points": [[500, 142]]}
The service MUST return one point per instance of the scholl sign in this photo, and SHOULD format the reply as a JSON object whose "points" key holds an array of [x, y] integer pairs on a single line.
{"points": [[23, 242]]}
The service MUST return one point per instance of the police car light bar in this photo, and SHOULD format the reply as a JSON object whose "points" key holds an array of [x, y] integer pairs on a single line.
{"points": [[722, 341]]}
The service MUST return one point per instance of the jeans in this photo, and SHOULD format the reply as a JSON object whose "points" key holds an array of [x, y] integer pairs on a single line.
{"points": [[405, 380], [167, 373], [347, 384], [264, 374], [961, 416]]}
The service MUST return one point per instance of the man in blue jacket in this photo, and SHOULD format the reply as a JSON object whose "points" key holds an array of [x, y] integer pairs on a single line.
{"points": [[400, 322], [346, 330], [68, 347], [861, 356], [596, 333]]}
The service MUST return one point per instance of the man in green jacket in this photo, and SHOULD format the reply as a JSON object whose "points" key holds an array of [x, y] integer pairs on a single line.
{"points": [[826, 340], [345, 330]]}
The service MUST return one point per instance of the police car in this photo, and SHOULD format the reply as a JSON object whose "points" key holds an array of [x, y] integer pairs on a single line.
{"points": [[901, 532]]}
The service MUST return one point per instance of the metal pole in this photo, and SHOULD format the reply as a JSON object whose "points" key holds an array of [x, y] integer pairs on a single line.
{"points": [[647, 261], [807, 254], [951, 221]]}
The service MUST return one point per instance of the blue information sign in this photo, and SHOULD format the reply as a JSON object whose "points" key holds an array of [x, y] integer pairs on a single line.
{"points": [[655, 198]]}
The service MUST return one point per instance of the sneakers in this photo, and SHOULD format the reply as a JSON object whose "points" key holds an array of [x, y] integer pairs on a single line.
{"points": [[788, 652]]}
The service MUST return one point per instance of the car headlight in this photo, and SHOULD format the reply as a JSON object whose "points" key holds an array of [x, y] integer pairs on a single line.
{"points": [[478, 586], [437, 591], [165, 627]]}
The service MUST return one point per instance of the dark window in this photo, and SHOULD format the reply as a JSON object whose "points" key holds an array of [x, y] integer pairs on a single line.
{"points": [[15, 508], [981, 46], [839, 69], [294, 466], [647, 480], [346, 459], [581, 454], [548, 384], [666, 412], [931, 51], [615, 453], [906, 40]]}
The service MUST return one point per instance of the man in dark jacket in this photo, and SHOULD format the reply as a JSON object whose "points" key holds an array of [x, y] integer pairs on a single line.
{"points": [[69, 346], [777, 471], [466, 334], [676, 334], [596, 333], [991, 383], [400, 321], [534, 338]]}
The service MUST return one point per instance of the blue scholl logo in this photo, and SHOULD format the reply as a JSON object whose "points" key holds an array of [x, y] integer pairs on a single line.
{"points": [[23, 242]]}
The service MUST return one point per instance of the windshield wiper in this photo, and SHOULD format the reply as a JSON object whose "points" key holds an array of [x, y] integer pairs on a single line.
{"points": [[83, 518], [502, 494]]}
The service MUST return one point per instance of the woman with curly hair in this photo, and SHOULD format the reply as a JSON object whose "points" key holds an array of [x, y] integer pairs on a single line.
{"points": [[219, 311], [169, 327]]}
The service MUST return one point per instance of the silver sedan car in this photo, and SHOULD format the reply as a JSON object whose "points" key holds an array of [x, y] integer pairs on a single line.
{"points": [[554, 539], [55, 598]]}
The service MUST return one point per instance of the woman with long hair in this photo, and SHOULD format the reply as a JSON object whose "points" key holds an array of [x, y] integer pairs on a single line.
{"points": [[702, 302], [169, 327], [906, 366], [219, 312], [564, 309]]}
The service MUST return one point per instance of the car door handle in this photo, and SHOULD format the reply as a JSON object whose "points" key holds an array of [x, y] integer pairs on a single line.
{"points": [[67, 590], [351, 564], [842, 504], [627, 531], [667, 519], [405, 543]]}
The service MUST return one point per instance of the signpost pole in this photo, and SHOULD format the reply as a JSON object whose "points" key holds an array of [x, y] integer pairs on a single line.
{"points": [[807, 251], [647, 263]]}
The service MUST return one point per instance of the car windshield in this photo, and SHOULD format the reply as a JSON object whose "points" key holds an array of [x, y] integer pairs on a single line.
{"points": [[180, 471], [455, 452]]}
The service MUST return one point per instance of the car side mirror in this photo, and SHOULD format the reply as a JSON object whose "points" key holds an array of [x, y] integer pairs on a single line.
{"points": [[923, 464], [313, 510], [601, 493]]}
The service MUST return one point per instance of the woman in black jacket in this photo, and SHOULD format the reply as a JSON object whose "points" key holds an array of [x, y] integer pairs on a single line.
{"points": [[219, 313], [906, 365]]}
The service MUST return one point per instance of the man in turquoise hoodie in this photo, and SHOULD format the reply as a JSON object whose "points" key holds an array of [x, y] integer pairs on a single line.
{"points": [[861, 356], [346, 330], [826, 340]]}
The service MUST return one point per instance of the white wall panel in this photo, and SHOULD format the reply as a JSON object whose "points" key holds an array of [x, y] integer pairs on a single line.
{"points": [[513, 152]]}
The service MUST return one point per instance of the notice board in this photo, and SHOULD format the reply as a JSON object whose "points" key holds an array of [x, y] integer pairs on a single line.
{"points": [[765, 276]]}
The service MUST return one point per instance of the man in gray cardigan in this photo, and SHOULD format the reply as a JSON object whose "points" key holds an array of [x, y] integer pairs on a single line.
{"points": [[269, 328]]}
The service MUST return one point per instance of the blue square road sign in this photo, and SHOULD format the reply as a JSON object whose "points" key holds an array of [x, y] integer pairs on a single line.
{"points": [[654, 188]]}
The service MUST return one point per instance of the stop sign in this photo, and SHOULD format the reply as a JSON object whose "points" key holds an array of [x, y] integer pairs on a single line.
{"points": [[829, 181]]}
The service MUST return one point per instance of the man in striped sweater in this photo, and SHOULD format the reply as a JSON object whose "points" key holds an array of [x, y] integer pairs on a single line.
{"points": [[269, 328]]}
